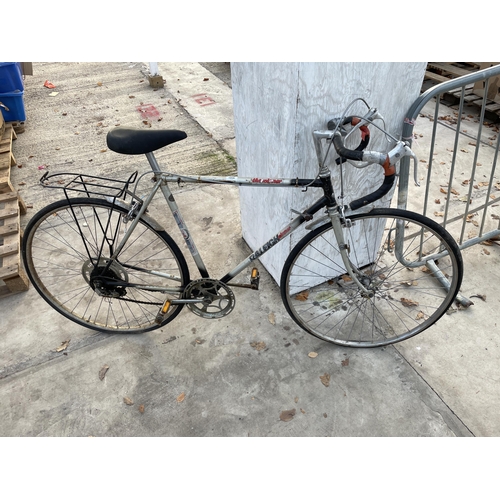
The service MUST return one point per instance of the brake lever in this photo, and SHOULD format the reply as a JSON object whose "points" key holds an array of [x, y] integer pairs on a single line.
{"points": [[400, 151]]}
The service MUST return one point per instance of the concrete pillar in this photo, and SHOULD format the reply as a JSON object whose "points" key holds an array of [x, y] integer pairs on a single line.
{"points": [[276, 108], [153, 69]]}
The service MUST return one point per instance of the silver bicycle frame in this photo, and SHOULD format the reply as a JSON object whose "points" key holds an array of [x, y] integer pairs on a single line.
{"points": [[162, 180], [333, 214]]}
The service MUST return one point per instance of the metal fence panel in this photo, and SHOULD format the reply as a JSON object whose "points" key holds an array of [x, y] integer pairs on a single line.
{"points": [[458, 155]]}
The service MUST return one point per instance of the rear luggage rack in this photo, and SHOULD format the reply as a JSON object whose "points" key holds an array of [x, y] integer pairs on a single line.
{"points": [[88, 184]]}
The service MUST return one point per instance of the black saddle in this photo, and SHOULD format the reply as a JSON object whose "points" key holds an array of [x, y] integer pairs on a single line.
{"points": [[134, 141]]}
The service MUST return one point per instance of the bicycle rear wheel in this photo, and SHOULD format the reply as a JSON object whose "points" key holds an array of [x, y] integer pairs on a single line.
{"points": [[66, 249], [403, 259]]}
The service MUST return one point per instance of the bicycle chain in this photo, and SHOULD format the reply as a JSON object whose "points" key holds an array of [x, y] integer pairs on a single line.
{"points": [[137, 301]]}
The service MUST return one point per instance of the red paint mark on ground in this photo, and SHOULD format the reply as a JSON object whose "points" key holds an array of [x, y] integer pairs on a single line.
{"points": [[203, 99], [148, 111]]}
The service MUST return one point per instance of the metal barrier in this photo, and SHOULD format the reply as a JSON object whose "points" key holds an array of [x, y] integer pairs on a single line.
{"points": [[458, 162]]}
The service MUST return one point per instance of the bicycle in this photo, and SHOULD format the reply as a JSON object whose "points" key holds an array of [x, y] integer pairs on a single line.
{"points": [[363, 279]]}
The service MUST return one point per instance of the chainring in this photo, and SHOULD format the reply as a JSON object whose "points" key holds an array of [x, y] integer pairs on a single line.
{"points": [[218, 300]]}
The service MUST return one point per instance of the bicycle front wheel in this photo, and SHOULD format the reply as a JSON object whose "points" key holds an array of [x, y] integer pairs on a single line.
{"points": [[66, 251], [410, 267]]}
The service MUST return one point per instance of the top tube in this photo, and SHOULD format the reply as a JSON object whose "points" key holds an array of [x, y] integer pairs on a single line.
{"points": [[242, 181]]}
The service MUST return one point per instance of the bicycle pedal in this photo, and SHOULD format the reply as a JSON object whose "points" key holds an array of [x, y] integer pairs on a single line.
{"points": [[254, 279], [163, 312]]}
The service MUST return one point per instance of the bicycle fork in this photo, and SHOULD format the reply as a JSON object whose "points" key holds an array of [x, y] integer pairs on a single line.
{"points": [[338, 222]]}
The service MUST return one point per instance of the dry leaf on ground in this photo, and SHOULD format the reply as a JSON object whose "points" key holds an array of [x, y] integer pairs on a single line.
{"points": [[313, 354], [480, 296], [128, 401], [141, 408], [272, 318], [408, 302], [302, 296], [63, 346], [345, 362], [287, 415], [325, 379], [180, 397], [258, 346], [102, 372]]}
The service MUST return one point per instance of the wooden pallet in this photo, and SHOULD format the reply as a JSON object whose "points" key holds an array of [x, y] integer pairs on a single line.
{"points": [[442, 72], [474, 94], [12, 277], [7, 159]]}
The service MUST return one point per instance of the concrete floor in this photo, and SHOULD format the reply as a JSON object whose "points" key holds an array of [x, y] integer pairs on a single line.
{"points": [[199, 377]]}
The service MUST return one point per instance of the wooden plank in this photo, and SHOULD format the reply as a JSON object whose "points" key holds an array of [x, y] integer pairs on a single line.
{"points": [[490, 105], [8, 229], [436, 77], [8, 135], [493, 89], [7, 159], [23, 208], [10, 197], [16, 284], [6, 250], [9, 272], [9, 211], [494, 107], [5, 145], [13, 279], [5, 184], [6, 197], [450, 69]]}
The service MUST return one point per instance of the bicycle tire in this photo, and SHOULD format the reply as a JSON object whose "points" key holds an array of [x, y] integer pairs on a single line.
{"points": [[407, 299], [64, 251]]}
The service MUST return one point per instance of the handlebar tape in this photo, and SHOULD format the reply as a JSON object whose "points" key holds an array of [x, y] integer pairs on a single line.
{"points": [[376, 195], [365, 139], [357, 155], [344, 153]]}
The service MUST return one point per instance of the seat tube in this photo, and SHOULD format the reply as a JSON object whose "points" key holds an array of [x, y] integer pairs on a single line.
{"points": [[174, 208]]}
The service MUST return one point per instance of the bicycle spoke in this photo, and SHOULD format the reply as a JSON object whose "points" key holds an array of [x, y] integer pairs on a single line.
{"points": [[67, 256], [387, 250]]}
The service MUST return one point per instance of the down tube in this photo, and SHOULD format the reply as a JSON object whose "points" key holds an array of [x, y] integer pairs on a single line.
{"points": [[286, 231]]}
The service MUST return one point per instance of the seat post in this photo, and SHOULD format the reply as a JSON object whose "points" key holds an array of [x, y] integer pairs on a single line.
{"points": [[153, 163]]}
